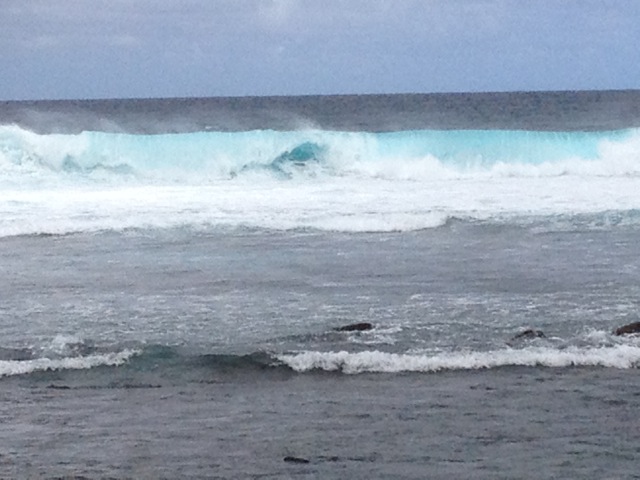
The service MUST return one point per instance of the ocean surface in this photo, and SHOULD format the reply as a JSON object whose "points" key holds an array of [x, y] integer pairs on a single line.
{"points": [[173, 275]]}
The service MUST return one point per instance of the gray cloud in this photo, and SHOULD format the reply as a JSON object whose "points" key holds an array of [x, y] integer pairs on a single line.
{"points": [[217, 47]]}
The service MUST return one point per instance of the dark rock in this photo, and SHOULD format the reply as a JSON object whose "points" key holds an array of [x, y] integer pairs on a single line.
{"points": [[529, 333], [295, 460], [628, 329], [59, 387], [355, 327]]}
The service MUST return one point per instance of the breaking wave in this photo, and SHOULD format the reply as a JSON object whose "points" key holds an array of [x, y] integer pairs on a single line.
{"points": [[171, 362], [26, 366], [618, 356], [314, 180], [423, 154]]}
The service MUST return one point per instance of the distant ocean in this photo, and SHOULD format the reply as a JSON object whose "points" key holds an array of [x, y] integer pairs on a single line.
{"points": [[174, 274]]}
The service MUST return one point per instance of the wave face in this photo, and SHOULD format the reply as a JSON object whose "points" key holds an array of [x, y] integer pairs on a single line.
{"points": [[327, 180], [203, 157]]}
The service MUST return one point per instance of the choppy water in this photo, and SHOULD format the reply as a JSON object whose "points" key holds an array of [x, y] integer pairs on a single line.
{"points": [[173, 273]]}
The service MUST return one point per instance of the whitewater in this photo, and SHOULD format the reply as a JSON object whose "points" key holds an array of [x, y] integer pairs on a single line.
{"points": [[175, 274], [312, 179]]}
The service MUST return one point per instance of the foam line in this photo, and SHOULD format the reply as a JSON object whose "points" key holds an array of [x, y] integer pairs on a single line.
{"points": [[11, 367], [619, 356]]}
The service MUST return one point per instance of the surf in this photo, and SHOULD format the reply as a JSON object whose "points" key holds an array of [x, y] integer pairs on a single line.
{"points": [[156, 358], [618, 356], [201, 157], [313, 179]]}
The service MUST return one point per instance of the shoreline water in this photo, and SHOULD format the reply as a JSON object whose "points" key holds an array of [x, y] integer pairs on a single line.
{"points": [[494, 424]]}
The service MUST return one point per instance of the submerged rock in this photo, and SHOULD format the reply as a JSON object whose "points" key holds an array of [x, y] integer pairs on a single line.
{"points": [[355, 327], [628, 329], [295, 460]]}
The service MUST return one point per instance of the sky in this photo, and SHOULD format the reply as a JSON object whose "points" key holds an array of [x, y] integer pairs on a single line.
{"points": [[73, 49]]}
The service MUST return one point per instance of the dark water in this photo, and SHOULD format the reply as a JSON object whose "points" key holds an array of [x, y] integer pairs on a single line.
{"points": [[555, 111], [180, 328], [509, 423]]}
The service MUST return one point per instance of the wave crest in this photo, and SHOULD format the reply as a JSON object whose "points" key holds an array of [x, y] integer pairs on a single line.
{"points": [[313, 180], [618, 356], [21, 367], [419, 155]]}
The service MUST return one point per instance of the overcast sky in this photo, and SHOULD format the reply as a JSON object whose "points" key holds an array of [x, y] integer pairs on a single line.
{"points": [[52, 49]]}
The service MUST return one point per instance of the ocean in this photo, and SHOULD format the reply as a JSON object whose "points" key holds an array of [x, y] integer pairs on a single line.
{"points": [[175, 274]]}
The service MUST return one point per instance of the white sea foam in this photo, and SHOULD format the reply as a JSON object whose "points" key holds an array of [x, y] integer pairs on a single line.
{"points": [[359, 182], [21, 367], [619, 356]]}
